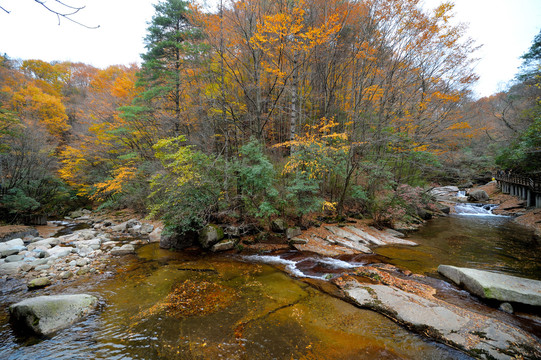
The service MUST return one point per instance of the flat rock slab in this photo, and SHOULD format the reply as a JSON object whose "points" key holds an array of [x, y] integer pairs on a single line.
{"points": [[44, 315], [496, 286], [390, 239], [340, 232], [350, 244], [366, 236], [479, 335]]}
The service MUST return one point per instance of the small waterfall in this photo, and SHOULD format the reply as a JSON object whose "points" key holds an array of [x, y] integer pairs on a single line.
{"points": [[308, 263], [461, 193], [475, 209]]}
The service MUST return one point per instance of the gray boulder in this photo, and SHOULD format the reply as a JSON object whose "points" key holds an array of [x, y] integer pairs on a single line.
{"points": [[210, 235], [146, 228], [278, 225], [478, 195], [38, 283], [467, 330], [496, 286], [173, 240], [14, 258], [155, 235], [44, 315], [292, 232], [223, 245], [125, 249], [15, 242], [10, 268], [443, 208], [444, 191]]}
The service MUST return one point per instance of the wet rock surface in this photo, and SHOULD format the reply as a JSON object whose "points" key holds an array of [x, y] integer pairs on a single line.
{"points": [[413, 304], [44, 315], [490, 285]]}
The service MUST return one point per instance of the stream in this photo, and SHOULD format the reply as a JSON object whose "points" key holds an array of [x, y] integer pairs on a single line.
{"points": [[181, 305]]}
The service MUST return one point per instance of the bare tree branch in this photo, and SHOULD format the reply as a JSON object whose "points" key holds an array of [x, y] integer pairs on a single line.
{"points": [[66, 15], [69, 11]]}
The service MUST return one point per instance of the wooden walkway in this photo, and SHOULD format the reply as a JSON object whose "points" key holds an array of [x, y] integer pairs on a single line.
{"points": [[526, 187]]}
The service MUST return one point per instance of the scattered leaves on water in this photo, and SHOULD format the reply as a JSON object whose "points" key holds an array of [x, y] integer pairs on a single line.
{"points": [[192, 298]]}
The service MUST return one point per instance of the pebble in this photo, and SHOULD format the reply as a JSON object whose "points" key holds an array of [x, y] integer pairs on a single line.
{"points": [[14, 258], [38, 283], [81, 262]]}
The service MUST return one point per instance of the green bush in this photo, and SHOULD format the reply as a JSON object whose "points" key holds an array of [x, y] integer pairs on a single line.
{"points": [[187, 191]]}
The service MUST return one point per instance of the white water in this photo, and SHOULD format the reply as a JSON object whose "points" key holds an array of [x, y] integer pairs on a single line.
{"points": [[291, 265], [461, 193], [475, 209]]}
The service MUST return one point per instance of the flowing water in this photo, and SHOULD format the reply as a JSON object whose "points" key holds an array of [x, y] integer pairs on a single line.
{"points": [[473, 238], [165, 305]]}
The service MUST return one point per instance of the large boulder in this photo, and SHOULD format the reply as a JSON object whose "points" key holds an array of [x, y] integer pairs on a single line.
{"points": [[278, 225], [444, 191], [210, 235], [461, 328], [125, 249], [172, 240], [155, 235], [478, 195], [292, 232], [489, 285], [44, 315]]}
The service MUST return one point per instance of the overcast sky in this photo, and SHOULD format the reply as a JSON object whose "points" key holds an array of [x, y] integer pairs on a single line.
{"points": [[505, 28]]}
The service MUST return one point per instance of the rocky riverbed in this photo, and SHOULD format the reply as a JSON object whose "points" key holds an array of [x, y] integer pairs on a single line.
{"points": [[413, 301], [42, 261]]}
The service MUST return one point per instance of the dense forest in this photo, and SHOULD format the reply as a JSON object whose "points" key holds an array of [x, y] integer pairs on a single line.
{"points": [[265, 109]]}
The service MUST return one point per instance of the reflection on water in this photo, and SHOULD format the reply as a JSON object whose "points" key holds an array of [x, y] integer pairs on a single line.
{"points": [[480, 242], [164, 305]]}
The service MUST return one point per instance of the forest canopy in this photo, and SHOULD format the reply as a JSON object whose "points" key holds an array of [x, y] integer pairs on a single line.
{"points": [[263, 109]]}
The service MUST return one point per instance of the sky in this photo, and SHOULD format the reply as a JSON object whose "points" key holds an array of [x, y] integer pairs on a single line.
{"points": [[505, 28]]}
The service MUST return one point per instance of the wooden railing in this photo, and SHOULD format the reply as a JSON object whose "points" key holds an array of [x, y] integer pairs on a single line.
{"points": [[533, 182]]}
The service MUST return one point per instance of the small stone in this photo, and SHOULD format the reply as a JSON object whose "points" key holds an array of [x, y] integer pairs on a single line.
{"points": [[72, 263], [66, 275], [506, 307], [38, 283], [81, 262], [223, 245], [8, 252], [26, 267], [42, 267], [14, 258], [39, 262], [82, 271]]}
